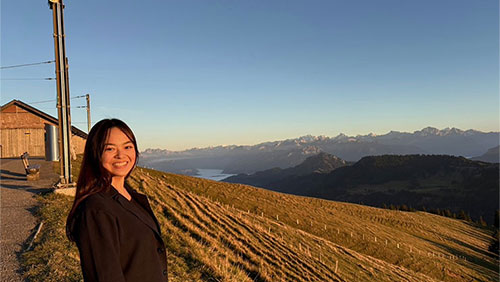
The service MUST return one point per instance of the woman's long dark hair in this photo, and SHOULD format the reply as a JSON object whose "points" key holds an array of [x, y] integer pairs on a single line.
{"points": [[93, 176]]}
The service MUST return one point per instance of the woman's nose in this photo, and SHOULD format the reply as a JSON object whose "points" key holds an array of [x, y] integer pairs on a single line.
{"points": [[119, 153]]}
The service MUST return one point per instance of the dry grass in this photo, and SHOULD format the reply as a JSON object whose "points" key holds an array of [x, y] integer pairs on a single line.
{"points": [[262, 225], [229, 232]]}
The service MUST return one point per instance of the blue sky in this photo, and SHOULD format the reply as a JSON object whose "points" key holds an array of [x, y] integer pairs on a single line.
{"points": [[192, 73]]}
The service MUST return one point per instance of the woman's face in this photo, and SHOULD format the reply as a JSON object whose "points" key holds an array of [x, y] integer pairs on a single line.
{"points": [[119, 155]]}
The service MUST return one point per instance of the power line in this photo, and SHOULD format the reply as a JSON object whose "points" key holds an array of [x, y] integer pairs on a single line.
{"points": [[54, 100], [46, 78], [40, 102], [26, 65]]}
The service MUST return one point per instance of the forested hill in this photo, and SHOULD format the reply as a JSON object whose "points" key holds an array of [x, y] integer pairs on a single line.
{"points": [[418, 181]]}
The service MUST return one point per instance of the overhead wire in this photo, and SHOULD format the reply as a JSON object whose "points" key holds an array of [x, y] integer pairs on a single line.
{"points": [[54, 100], [46, 78], [26, 65]]}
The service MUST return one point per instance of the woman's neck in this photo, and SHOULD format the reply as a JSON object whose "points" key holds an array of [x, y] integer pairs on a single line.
{"points": [[119, 184]]}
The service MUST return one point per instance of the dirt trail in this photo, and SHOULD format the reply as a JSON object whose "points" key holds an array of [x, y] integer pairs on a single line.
{"points": [[17, 206]]}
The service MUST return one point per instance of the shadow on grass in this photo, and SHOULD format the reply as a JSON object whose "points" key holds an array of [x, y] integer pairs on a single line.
{"points": [[482, 263]]}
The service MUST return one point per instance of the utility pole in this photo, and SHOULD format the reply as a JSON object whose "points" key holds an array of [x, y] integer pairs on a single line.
{"points": [[63, 100], [87, 96]]}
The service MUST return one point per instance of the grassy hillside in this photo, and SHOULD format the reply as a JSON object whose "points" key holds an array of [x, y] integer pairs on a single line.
{"points": [[230, 232]]}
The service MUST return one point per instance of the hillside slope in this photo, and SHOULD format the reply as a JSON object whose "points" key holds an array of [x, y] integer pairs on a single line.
{"points": [[232, 231]]}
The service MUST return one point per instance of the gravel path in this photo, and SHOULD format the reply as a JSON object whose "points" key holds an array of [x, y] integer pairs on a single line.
{"points": [[18, 204]]}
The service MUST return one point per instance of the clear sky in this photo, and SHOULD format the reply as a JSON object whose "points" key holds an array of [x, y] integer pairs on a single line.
{"points": [[197, 73]]}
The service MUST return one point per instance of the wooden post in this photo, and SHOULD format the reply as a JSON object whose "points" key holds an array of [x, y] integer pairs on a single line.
{"points": [[336, 265]]}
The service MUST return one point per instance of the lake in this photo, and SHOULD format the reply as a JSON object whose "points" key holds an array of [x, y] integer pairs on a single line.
{"points": [[212, 174]]}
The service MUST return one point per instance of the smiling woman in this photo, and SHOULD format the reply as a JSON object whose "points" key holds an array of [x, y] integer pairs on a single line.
{"points": [[113, 226]]}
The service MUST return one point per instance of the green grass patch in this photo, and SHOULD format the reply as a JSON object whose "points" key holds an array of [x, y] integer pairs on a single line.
{"points": [[52, 257]]}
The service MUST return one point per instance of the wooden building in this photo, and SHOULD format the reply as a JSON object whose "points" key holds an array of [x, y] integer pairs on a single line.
{"points": [[22, 130]]}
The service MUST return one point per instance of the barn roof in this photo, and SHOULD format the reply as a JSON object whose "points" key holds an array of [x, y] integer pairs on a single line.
{"points": [[43, 115]]}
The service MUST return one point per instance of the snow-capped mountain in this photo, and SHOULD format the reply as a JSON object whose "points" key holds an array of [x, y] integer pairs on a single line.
{"points": [[291, 152]]}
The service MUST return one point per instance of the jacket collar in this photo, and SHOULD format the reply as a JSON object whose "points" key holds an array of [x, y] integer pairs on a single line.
{"points": [[141, 199]]}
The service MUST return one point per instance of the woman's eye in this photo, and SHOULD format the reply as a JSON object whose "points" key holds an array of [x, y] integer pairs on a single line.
{"points": [[129, 147], [108, 149]]}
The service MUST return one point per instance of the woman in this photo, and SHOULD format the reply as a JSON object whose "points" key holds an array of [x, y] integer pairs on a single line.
{"points": [[116, 232]]}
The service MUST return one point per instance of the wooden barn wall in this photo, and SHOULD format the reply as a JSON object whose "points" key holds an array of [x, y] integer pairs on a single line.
{"points": [[16, 141], [78, 143]]}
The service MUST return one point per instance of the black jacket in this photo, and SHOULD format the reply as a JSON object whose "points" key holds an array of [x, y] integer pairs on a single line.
{"points": [[117, 240]]}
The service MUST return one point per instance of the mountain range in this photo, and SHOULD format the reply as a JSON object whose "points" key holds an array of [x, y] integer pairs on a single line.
{"points": [[236, 159]]}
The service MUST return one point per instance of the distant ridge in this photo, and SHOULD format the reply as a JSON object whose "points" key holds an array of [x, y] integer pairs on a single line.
{"points": [[320, 163], [291, 152], [491, 156], [420, 181]]}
